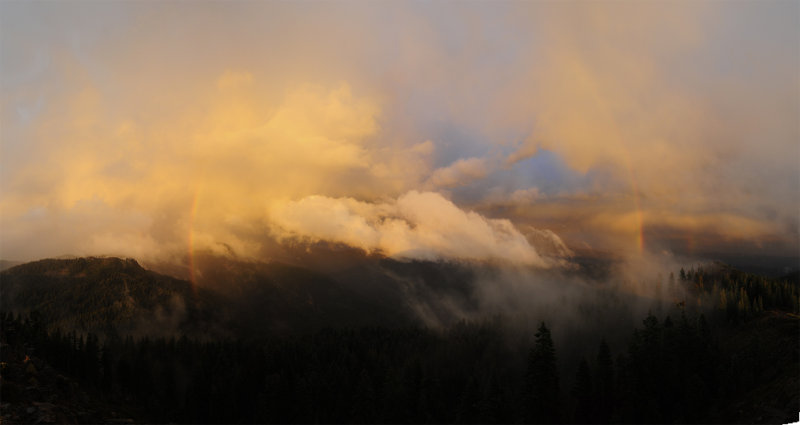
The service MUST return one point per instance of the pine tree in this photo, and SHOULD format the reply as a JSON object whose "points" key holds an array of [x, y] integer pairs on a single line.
{"points": [[671, 290], [542, 380], [582, 391], [604, 384], [491, 407], [364, 403]]}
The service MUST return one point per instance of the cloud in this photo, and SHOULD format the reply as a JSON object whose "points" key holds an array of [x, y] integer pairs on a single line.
{"points": [[528, 149], [127, 182], [671, 130], [322, 218], [418, 225], [459, 173], [676, 116], [548, 243], [525, 196]]}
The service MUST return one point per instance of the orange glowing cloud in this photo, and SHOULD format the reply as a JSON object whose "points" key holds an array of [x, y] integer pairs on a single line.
{"points": [[212, 173], [422, 130]]}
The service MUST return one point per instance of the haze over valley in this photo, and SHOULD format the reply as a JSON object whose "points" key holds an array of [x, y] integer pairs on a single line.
{"points": [[399, 212]]}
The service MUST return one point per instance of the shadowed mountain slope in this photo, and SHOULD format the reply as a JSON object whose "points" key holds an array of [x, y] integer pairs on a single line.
{"points": [[97, 294]]}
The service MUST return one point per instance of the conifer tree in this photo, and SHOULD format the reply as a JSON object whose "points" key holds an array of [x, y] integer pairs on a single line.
{"points": [[604, 384], [583, 394], [542, 380]]}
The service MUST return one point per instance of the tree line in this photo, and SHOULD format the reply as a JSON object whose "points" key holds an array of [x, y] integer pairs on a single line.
{"points": [[737, 295], [673, 370]]}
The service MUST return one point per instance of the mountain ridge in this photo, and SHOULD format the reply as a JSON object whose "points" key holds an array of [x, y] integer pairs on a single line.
{"points": [[95, 294]]}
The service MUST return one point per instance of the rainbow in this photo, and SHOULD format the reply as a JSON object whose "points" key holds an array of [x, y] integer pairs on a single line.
{"points": [[637, 205], [602, 105], [190, 240], [691, 243]]}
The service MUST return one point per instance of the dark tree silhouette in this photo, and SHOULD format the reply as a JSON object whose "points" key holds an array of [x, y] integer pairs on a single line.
{"points": [[584, 403], [604, 384], [542, 380]]}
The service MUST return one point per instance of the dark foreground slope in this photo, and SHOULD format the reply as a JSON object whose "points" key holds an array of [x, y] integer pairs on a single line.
{"points": [[730, 358], [671, 372], [764, 356], [33, 392]]}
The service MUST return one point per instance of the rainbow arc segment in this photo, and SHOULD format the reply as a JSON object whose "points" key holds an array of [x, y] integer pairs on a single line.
{"points": [[590, 87], [190, 239], [631, 174]]}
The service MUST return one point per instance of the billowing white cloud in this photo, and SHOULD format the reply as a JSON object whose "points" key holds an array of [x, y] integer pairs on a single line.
{"points": [[418, 225]]}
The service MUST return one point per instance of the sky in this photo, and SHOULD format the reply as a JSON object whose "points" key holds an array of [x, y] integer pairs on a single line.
{"points": [[526, 132]]}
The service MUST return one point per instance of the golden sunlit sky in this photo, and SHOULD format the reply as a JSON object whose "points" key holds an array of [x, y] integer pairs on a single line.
{"points": [[517, 130]]}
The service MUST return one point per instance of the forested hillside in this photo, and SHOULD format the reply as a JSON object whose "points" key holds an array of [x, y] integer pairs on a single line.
{"points": [[102, 294], [231, 299], [724, 362]]}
